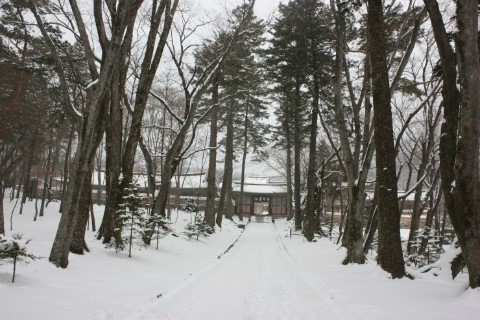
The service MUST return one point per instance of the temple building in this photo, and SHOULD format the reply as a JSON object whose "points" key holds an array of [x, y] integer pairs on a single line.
{"points": [[261, 196]]}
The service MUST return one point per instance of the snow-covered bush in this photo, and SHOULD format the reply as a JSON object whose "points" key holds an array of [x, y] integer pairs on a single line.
{"points": [[191, 206], [427, 247], [160, 226], [199, 228], [13, 249]]}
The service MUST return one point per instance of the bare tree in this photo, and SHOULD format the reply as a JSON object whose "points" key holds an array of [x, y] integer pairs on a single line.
{"points": [[356, 138], [121, 157], [460, 132], [122, 17], [193, 91]]}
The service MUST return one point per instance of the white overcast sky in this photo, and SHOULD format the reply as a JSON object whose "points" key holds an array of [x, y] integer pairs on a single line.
{"points": [[263, 8]]}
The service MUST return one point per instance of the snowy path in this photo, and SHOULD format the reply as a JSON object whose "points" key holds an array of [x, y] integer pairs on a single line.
{"points": [[257, 279]]}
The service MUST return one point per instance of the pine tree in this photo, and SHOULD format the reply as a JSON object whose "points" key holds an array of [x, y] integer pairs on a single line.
{"points": [[131, 219], [14, 249], [240, 84], [161, 227], [198, 228], [433, 248], [300, 58]]}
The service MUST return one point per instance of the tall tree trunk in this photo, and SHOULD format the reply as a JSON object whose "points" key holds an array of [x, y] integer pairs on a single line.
{"points": [[371, 225], [52, 171], [19, 92], [465, 211], [459, 159], [113, 166], [78, 244], [66, 170], [297, 156], [2, 216], [91, 129], [45, 181], [244, 160], [90, 137], [309, 220], [27, 190], [342, 217], [225, 204], [288, 137], [427, 228], [99, 175], [417, 205], [212, 160], [390, 256], [170, 164], [353, 234], [150, 168]]}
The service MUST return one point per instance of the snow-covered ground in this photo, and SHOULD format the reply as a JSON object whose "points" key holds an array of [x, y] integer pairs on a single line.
{"points": [[266, 275]]}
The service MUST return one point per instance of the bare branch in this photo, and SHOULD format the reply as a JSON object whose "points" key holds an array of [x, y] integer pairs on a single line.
{"points": [[167, 107]]}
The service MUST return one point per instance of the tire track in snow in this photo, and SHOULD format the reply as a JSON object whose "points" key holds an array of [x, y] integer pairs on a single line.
{"points": [[323, 293], [153, 302], [258, 280]]}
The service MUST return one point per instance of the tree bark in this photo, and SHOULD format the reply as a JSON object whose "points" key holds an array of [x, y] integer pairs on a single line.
{"points": [[417, 205], [225, 203], [113, 165], [297, 156], [91, 134], [372, 225], [99, 175], [2, 216], [212, 160], [353, 234], [309, 220], [45, 182], [52, 171], [459, 154], [66, 170], [92, 119], [390, 256], [27, 190], [244, 159], [150, 168], [78, 244], [465, 215], [288, 138]]}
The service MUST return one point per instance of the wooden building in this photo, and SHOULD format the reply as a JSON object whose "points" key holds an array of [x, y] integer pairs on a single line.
{"points": [[261, 196]]}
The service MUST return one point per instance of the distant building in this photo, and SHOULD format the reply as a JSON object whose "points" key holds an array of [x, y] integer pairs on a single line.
{"points": [[190, 184], [261, 196]]}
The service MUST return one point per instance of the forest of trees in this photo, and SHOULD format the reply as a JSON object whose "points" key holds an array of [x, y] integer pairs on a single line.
{"points": [[336, 95]]}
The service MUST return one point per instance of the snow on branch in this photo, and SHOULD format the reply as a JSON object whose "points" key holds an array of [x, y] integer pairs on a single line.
{"points": [[412, 190], [167, 107], [199, 150], [153, 126]]}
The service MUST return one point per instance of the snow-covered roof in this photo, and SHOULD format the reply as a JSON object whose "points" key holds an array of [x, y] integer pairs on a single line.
{"points": [[275, 180], [262, 185], [138, 178], [261, 189], [192, 180], [189, 180]]}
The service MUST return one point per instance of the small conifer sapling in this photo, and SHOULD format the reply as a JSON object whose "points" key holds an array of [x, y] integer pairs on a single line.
{"points": [[131, 220], [13, 249]]}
